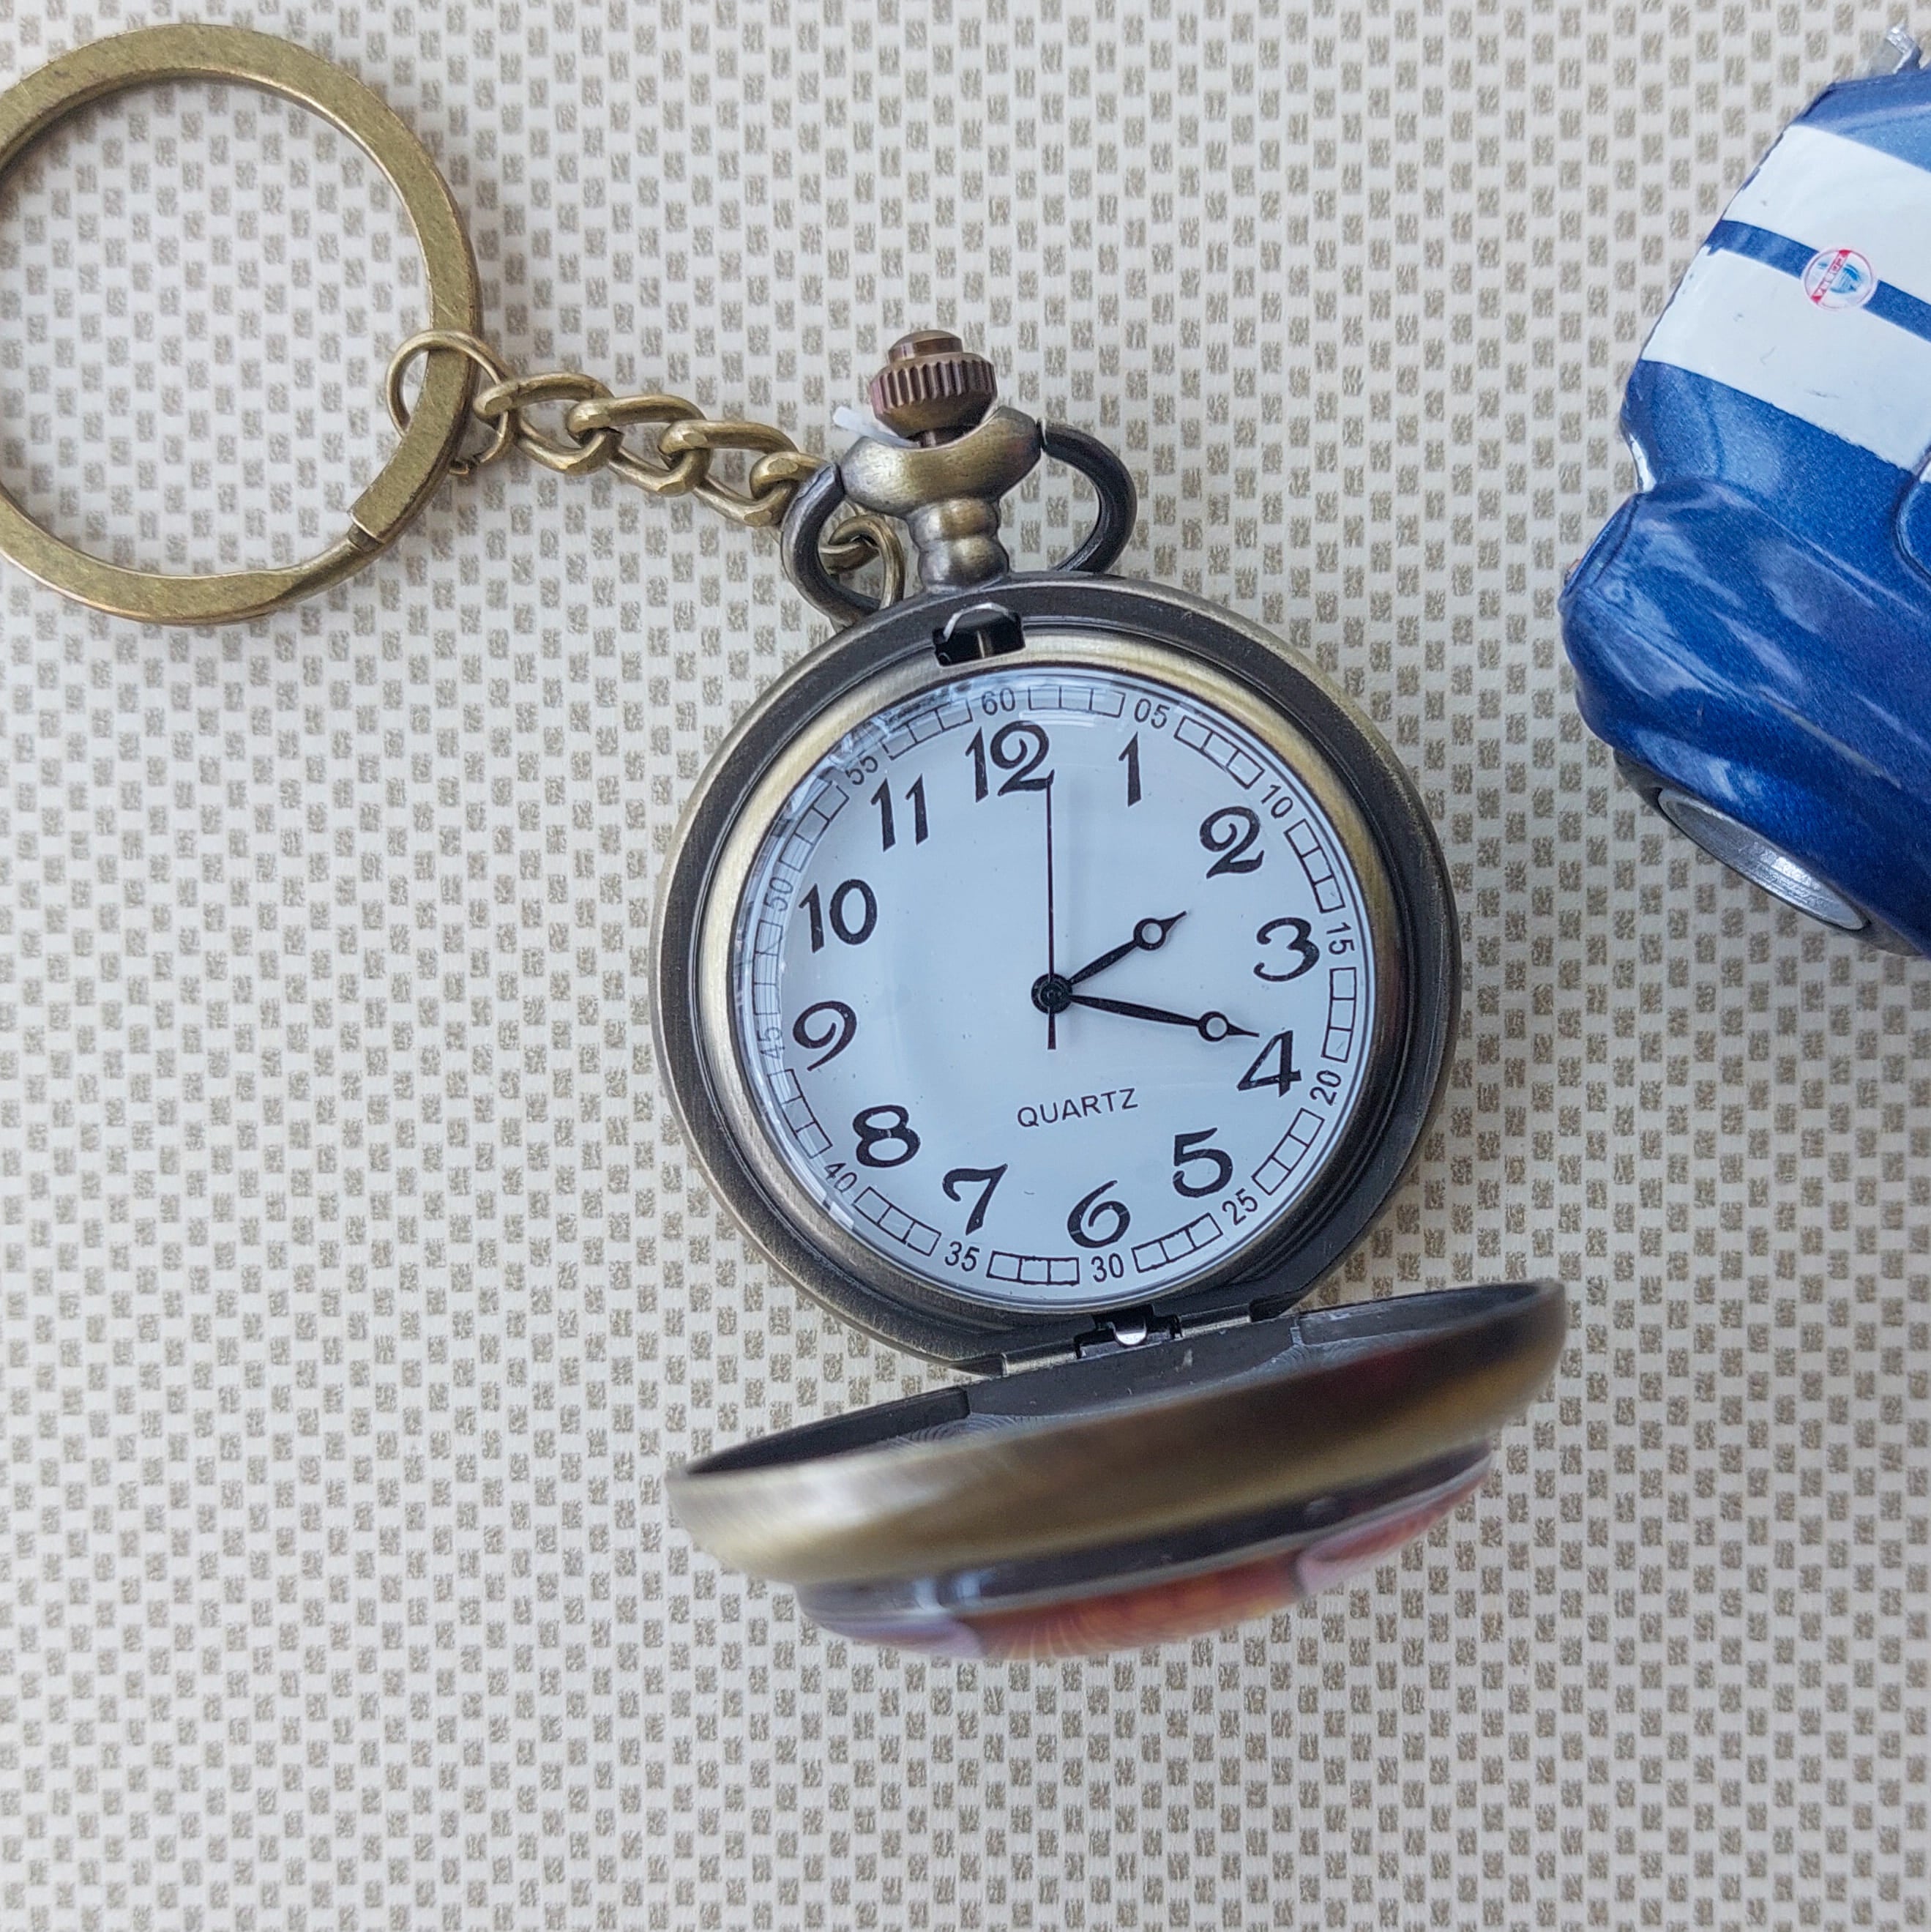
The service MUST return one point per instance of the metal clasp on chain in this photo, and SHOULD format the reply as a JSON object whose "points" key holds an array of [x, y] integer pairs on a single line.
{"points": [[599, 430]]}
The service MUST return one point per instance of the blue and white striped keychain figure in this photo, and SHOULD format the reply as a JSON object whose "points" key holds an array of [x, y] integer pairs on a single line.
{"points": [[1751, 632]]}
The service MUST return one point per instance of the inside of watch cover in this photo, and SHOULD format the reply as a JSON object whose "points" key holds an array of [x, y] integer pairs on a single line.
{"points": [[1132, 1494]]}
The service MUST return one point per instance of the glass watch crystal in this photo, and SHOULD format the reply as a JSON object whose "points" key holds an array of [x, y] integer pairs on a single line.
{"points": [[1052, 983]]}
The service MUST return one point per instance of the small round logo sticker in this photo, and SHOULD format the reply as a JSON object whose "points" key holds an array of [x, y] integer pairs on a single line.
{"points": [[1840, 278]]}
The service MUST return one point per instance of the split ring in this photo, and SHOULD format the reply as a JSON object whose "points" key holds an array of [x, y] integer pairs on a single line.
{"points": [[428, 445]]}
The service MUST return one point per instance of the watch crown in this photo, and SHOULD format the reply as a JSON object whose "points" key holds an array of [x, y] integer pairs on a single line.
{"points": [[932, 386]]}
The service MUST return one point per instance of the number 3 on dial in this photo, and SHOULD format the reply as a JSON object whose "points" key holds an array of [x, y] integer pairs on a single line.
{"points": [[1297, 943]]}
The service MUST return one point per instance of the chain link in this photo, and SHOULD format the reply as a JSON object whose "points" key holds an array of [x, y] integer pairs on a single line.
{"points": [[598, 427]]}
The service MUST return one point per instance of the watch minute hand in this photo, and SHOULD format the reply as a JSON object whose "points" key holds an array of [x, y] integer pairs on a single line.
{"points": [[1211, 1026], [1148, 936]]}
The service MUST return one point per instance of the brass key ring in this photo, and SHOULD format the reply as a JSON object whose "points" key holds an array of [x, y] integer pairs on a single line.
{"points": [[441, 413]]}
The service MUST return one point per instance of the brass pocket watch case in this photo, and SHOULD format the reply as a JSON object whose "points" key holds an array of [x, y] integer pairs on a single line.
{"points": [[1113, 1180]]}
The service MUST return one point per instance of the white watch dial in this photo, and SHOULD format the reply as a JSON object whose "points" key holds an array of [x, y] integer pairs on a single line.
{"points": [[1053, 985]]}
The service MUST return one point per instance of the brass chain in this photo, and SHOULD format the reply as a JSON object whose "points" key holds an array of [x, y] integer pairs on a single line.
{"points": [[598, 427]]}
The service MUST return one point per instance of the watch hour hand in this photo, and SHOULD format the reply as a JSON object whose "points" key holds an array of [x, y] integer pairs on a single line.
{"points": [[1148, 936], [1211, 1026]]}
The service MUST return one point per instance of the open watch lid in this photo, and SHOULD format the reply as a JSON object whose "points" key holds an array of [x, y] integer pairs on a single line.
{"points": [[1138, 1492]]}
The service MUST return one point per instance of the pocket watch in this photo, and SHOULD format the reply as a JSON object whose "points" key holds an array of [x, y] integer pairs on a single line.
{"points": [[1053, 974]]}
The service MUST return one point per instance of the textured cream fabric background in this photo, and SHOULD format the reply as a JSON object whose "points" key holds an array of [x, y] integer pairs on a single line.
{"points": [[354, 1288]]}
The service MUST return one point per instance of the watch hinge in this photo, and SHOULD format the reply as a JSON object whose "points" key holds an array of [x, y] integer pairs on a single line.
{"points": [[1112, 1335], [1131, 1328], [1115, 1334], [1218, 1319]]}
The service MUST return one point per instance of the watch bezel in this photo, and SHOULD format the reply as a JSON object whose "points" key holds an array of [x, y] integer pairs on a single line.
{"points": [[1143, 629]]}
